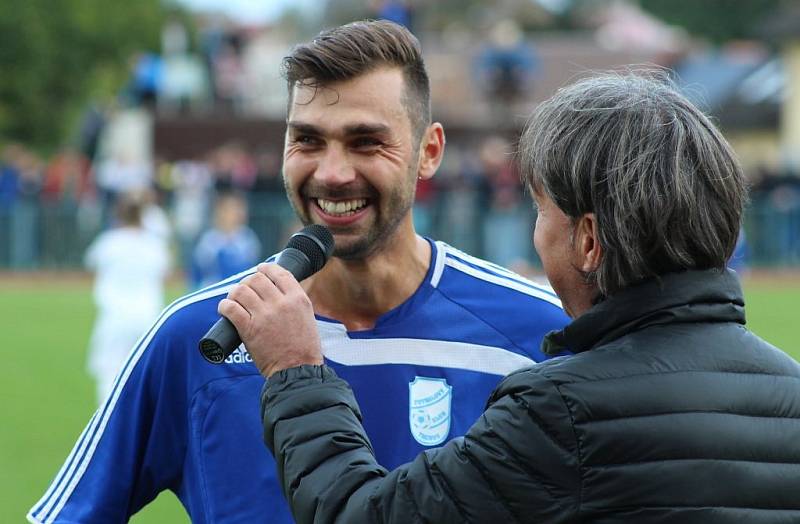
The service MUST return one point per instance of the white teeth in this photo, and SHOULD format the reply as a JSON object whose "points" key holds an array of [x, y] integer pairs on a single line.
{"points": [[343, 207]]}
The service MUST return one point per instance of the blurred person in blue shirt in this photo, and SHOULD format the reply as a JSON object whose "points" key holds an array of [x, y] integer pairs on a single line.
{"points": [[229, 247]]}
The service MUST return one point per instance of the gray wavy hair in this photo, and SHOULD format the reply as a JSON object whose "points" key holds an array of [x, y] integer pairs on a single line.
{"points": [[665, 186]]}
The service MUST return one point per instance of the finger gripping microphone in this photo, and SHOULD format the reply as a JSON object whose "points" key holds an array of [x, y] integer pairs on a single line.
{"points": [[305, 254]]}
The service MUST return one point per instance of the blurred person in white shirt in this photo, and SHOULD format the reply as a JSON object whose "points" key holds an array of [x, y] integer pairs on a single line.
{"points": [[131, 265]]}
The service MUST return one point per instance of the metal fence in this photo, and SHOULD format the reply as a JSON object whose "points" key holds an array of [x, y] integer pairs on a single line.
{"points": [[54, 236]]}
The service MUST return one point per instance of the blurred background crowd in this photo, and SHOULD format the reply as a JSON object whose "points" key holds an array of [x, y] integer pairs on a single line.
{"points": [[181, 107]]}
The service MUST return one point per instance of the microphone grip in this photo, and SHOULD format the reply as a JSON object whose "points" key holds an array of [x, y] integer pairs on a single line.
{"points": [[222, 339], [295, 262]]}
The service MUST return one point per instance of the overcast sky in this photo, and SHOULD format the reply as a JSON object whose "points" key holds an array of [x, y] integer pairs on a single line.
{"points": [[252, 11]]}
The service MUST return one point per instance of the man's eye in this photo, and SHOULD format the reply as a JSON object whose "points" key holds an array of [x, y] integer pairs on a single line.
{"points": [[366, 142], [306, 140]]}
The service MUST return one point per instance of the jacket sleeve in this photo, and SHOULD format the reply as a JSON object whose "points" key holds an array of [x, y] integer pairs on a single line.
{"points": [[512, 466], [131, 449]]}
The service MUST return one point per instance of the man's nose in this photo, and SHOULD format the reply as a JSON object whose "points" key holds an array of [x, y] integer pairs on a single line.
{"points": [[335, 169]]}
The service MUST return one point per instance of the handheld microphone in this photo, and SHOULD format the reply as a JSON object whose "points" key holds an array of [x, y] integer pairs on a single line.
{"points": [[305, 254]]}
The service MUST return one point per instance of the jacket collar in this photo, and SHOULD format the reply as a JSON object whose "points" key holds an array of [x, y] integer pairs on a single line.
{"points": [[687, 296]]}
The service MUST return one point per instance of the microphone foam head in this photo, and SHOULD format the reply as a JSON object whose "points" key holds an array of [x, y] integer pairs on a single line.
{"points": [[316, 242]]}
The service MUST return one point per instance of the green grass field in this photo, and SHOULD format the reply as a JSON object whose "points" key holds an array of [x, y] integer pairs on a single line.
{"points": [[49, 396]]}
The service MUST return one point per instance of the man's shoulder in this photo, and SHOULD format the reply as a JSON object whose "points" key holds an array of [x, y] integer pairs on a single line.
{"points": [[190, 316], [459, 274], [171, 344], [197, 302]]}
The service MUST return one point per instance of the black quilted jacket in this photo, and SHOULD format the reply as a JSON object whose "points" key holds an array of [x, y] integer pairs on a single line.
{"points": [[670, 411]]}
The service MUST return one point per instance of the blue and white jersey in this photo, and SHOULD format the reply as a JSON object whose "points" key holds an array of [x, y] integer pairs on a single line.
{"points": [[173, 421]]}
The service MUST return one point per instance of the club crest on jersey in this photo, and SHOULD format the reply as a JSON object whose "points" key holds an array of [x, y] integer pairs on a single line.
{"points": [[429, 410]]}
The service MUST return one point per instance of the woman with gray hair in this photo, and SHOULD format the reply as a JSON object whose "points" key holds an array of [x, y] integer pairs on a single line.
{"points": [[669, 411]]}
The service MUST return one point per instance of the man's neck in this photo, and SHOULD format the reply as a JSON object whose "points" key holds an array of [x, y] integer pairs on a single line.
{"points": [[358, 292]]}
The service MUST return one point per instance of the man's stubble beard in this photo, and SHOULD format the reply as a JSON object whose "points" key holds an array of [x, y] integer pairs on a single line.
{"points": [[399, 204]]}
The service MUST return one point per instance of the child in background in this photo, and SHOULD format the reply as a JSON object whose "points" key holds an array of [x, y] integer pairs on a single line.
{"points": [[228, 248], [131, 264]]}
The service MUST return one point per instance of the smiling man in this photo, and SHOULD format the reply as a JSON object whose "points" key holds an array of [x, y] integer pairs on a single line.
{"points": [[422, 331]]}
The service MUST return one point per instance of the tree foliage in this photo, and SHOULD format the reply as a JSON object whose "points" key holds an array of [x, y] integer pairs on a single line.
{"points": [[55, 56], [716, 20]]}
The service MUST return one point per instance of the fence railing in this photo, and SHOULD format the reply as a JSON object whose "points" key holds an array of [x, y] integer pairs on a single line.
{"points": [[53, 236]]}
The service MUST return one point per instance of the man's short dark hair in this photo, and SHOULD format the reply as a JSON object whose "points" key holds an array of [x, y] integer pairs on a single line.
{"points": [[665, 186], [351, 50]]}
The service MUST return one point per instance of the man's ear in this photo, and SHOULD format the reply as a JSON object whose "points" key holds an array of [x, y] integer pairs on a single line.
{"points": [[431, 151], [588, 250]]}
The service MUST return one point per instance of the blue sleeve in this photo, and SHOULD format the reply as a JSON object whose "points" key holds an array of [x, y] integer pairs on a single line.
{"points": [[255, 245], [515, 309], [134, 445], [204, 268], [196, 273]]}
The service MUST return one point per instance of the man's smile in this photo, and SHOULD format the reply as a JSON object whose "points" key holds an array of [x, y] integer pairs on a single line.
{"points": [[341, 208]]}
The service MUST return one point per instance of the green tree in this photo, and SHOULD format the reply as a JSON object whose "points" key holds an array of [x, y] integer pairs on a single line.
{"points": [[717, 20], [55, 56]]}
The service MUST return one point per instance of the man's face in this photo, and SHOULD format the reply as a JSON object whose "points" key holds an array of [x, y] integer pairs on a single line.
{"points": [[349, 160], [552, 238]]}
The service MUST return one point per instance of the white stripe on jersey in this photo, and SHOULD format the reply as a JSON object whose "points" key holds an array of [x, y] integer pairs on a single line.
{"points": [[509, 279], [438, 264], [492, 267], [481, 262], [61, 472], [61, 488], [342, 349]]}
